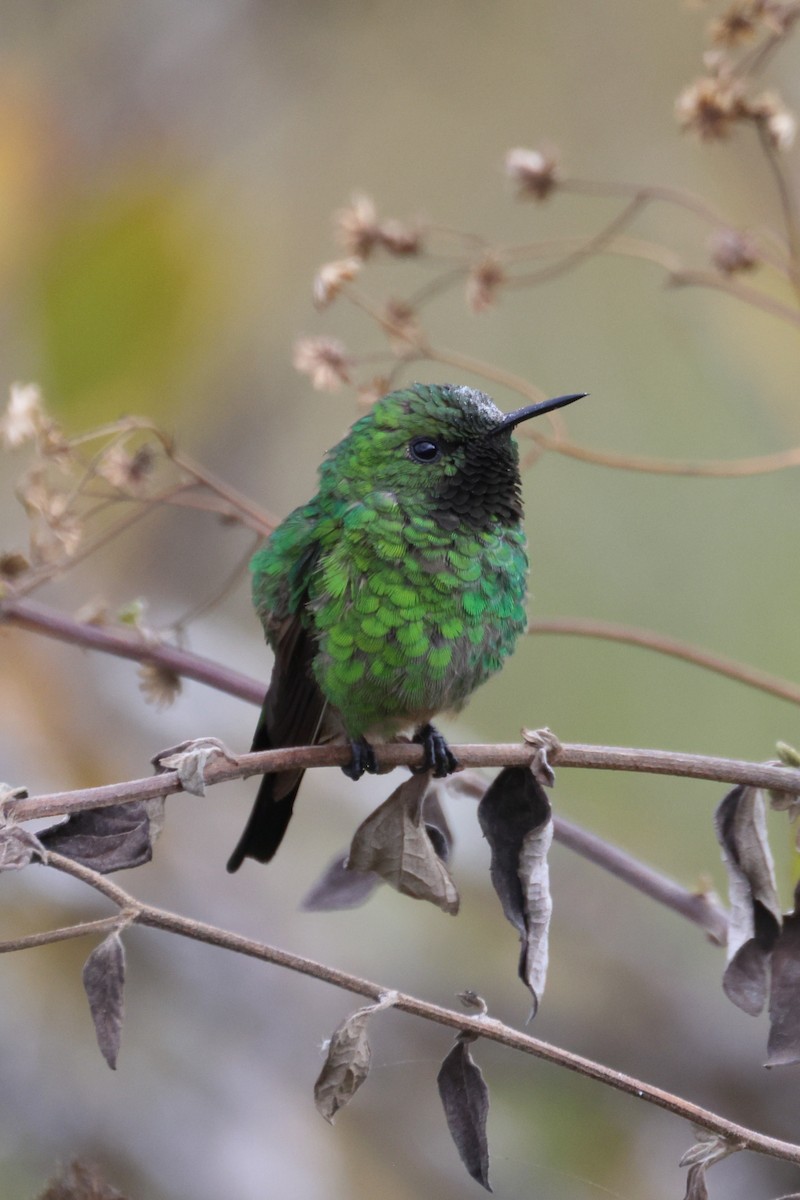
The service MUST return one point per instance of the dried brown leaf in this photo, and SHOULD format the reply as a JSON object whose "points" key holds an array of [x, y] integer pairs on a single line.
{"points": [[516, 820], [394, 842], [696, 1188], [347, 1060], [190, 760], [465, 1098], [104, 981], [783, 1046], [546, 743], [436, 824], [755, 915], [18, 848], [80, 1181], [109, 839], [340, 887], [709, 1149]]}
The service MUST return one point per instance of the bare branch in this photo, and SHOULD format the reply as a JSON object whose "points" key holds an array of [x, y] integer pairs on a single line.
{"points": [[650, 640], [406, 754], [480, 1026], [31, 940], [35, 617], [695, 906]]}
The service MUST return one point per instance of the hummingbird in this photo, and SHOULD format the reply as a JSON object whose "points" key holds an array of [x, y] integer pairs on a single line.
{"points": [[396, 591]]}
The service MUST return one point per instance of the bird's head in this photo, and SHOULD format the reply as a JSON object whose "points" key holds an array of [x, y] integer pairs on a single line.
{"points": [[447, 449]]}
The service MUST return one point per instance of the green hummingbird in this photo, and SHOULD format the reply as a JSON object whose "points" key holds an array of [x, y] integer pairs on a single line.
{"points": [[396, 591]]}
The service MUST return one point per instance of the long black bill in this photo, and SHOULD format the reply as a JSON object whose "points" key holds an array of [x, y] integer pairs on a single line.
{"points": [[535, 410]]}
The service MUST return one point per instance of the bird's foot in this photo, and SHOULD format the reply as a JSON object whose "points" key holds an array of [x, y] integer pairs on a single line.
{"points": [[439, 758], [362, 759]]}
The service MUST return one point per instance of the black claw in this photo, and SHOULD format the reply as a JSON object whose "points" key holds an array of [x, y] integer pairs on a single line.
{"points": [[439, 758], [362, 759]]}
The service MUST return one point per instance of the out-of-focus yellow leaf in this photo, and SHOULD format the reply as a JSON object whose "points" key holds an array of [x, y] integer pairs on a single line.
{"points": [[119, 286]]}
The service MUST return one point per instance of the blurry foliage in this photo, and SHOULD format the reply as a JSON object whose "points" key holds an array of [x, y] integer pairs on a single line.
{"points": [[115, 298]]}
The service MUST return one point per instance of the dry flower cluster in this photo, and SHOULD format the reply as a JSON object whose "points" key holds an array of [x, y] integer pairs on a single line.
{"points": [[743, 40]]}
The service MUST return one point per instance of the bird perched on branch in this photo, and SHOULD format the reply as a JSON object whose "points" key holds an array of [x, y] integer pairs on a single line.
{"points": [[396, 591]]}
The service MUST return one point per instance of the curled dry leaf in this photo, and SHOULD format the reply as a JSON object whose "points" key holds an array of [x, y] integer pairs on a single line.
{"points": [[787, 802], [159, 684], [79, 1181], [465, 1099], [190, 760], [109, 839], [341, 886], [709, 1149], [783, 1046], [755, 916], [546, 743], [9, 792], [104, 981], [436, 823], [696, 1188], [347, 1061], [18, 848], [516, 820], [471, 999], [393, 841]]}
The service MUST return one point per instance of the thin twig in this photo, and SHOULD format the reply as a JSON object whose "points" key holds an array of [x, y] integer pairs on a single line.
{"points": [[788, 202], [407, 754], [481, 1026], [718, 468], [739, 291], [38, 619], [611, 632], [593, 245], [48, 936], [695, 906], [35, 617]]}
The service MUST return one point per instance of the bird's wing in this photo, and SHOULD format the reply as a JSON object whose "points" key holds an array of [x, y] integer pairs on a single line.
{"points": [[290, 716]]}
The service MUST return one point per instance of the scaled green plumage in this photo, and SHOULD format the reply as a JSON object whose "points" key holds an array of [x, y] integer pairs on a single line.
{"points": [[396, 591]]}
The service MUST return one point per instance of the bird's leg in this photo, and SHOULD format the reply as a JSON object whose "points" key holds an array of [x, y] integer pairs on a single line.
{"points": [[439, 758], [363, 759]]}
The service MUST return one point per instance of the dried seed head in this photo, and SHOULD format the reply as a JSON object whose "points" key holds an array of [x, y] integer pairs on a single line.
{"points": [[93, 612], [736, 26], [484, 283], [357, 226], [732, 251], [325, 360], [24, 417], [780, 124], [332, 277], [125, 470], [370, 392], [12, 564], [159, 685], [399, 239], [709, 106], [778, 17], [401, 325], [533, 171]]}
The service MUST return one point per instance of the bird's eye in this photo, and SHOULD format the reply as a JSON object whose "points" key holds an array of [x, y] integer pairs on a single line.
{"points": [[424, 450]]}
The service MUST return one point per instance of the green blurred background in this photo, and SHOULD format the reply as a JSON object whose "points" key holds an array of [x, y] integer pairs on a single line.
{"points": [[168, 174]]}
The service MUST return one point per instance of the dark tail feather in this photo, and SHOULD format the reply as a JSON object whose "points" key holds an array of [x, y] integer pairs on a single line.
{"points": [[268, 821], [290, 716]]}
